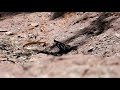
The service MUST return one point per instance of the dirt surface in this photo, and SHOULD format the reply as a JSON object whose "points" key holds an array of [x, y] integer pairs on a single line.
{"points": [[28, 48]]}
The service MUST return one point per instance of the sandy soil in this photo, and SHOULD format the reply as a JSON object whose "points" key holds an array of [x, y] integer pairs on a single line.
{"points": [[95, 35]]}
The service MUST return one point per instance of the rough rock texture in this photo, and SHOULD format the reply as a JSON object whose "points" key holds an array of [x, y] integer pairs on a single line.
{"points": [[95, 34], [70, 66]]}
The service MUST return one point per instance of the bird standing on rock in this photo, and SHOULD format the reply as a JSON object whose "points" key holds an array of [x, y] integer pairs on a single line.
{"points": [[63, 48]]}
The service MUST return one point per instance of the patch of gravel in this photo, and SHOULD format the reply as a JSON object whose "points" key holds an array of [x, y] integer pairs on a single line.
{"points": [[95, 34]]}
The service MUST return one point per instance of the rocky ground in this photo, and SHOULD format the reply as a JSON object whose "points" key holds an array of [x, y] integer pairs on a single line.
{"points": [[27, 47]]}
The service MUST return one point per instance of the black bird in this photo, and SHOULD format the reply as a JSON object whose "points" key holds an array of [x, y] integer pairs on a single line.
{"points": [[63, 48]]}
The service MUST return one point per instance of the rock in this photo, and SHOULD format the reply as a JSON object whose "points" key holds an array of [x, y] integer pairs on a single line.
{"points": [[9, 33], [2, 30], [34, 24], [18, 28], [117, 35], [2, 57], [20, 61]]}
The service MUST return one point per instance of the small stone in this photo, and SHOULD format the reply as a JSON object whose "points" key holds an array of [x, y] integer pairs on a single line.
{"points": [[34, 24], [117, 35], [18, 28], [3, 58], [91, 49], [9, 33], [117, 54], [2, 30]]}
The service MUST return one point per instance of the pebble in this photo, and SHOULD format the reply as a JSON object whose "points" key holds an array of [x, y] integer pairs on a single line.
{"points": [[3, 58], [34, 24], [9, 33], [117, 35], [2, 30]]}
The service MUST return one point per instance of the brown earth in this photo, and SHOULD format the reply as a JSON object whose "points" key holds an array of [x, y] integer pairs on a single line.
{"points": [[95, 34]]}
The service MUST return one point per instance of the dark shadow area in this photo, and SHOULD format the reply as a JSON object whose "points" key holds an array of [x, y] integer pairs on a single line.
{"points": [[4, 15], [97, 27]]}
